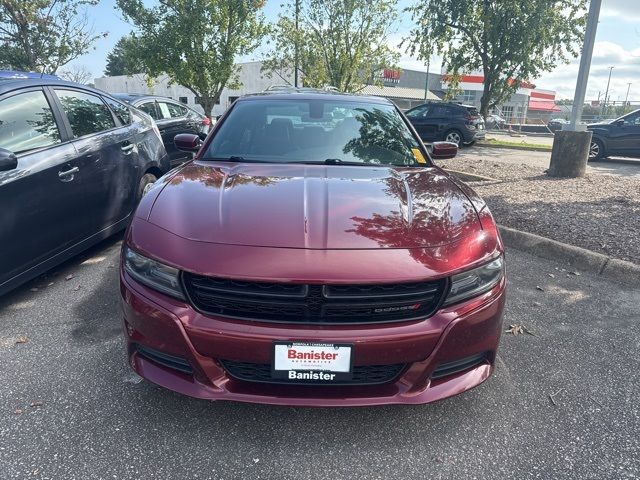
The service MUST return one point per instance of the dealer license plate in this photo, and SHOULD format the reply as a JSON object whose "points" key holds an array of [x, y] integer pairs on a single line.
{"points": [[312, 362]]}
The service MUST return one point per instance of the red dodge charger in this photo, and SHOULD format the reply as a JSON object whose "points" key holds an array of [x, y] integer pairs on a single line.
{"points": [[312, 254]]}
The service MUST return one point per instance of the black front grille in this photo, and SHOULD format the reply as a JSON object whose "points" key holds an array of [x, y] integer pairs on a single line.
{"points": [[457, 366], [299, 303], [164, 359], [261, 372]]}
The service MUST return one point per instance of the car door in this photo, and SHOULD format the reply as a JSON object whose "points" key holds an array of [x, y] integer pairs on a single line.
{"points": [[40, 197], [174, 121], [418, 118], [625, 135], [437, 122], [106, 152]]}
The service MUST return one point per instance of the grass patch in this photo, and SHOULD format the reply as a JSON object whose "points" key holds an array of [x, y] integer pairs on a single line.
{"points": [[514, 144]]}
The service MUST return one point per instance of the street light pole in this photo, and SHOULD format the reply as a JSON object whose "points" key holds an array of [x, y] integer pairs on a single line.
{"points": [[626, 99], [585, 64], [606, 94], [571, 145], [426, 82], [295, 73]]}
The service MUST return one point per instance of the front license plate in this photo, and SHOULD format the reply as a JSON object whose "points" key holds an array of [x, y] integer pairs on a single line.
{"points": [[312, 362]]}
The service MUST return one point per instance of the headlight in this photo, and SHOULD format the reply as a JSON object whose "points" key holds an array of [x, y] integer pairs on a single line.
{"points": [[475, 282], [152, 274]]}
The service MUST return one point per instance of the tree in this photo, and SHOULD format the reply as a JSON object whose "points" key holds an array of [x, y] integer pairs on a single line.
{"points": [[509, 41], [124, 59], [77, 73], [195, 42], [341, 43], [43, 35]]}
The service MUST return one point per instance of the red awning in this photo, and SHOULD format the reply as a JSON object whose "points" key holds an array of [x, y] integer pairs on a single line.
{"points": [[541, 105]]}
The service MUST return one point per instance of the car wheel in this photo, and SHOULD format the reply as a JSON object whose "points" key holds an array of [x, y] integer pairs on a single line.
{"points": [[453, 136], [146, 182], [596, 150]]}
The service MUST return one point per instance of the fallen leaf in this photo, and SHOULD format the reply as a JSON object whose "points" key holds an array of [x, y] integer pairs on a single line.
{"points": [[22, 339], [18, 411], [551, 275], [68, 277], [77, 287], [49, 284], [576, 273], [37, 403], [515, 329], [256, 460], [538, 287]]}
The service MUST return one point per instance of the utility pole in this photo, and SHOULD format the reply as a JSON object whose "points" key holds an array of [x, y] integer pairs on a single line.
{"points": [[606, 94], [426, 82], [626, 99], [296, 60], [571, 144]]}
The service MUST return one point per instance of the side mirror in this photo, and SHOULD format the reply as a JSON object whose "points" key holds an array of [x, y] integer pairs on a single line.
{"points": [[187, 142], [443, 150], [8, 160], [619, 123]]}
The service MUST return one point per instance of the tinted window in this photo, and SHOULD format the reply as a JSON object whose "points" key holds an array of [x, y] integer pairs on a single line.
{"points": [[176, 111], [440, 111], [417, 112], [314, 131], [121, 111], [87, 113], [151, 109], [473, 111], [632, 119], [26, 122]]}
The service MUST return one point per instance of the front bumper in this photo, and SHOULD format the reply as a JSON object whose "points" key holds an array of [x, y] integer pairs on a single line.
{"points": [[155, 321]]}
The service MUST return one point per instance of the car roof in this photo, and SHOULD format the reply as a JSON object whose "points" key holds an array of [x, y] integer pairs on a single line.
{"points": [[10, 84], [311, 94]]}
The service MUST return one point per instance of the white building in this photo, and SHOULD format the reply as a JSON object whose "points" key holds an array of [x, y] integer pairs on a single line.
{"points": [[251, 77]]}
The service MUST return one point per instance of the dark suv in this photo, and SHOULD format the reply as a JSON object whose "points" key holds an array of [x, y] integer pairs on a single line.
{"points": [[452, 122], [618, 137], [73, 164]]}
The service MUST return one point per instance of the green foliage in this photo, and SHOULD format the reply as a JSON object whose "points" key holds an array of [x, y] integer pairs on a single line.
{"points": [[195, 42], [504, 39], [124, 59], [339, 43], [43, 35]]}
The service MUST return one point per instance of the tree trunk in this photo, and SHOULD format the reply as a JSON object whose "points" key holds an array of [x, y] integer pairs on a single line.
{"points": [[207, 104], [485, 101]]}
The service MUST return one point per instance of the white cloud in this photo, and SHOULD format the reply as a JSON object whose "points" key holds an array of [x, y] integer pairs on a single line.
{"points": [[626, 70], [623, 9]]}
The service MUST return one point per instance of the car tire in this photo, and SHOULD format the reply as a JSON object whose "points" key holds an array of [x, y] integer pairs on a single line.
{"points": [[147, 180], [596, 150], [454, 136], [470, 144]]}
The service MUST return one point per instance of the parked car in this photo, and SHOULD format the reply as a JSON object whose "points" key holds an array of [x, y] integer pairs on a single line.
{"points": [[617, 137], [319, 262], [172, 118], [495, 121], [557, 124], [74, 162], [448, 121]]}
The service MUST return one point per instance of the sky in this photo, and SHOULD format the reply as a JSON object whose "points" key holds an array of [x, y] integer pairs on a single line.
{"points": [[617, 44]]}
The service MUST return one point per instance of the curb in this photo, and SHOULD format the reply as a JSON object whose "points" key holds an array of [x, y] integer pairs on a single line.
{"points": [[613, 269], [514, 147]]}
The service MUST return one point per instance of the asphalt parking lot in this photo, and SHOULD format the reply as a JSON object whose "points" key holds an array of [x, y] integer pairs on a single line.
{"points": [[562, 403]]}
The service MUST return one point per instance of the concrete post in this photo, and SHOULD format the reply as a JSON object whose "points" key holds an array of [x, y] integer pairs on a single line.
{"points": [[570, 153]]}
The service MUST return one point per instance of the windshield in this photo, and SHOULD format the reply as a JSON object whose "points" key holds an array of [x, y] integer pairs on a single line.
{"points": [[315, 131]]}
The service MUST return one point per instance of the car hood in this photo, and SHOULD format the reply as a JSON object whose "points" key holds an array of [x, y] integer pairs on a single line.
{"points": [[314, 207]]}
